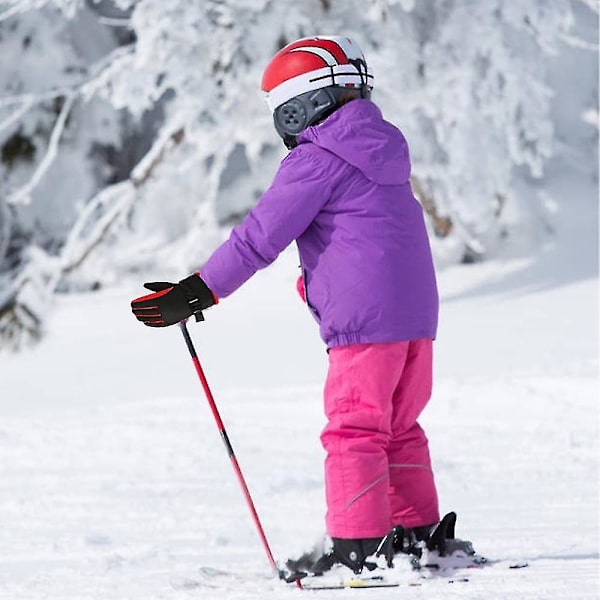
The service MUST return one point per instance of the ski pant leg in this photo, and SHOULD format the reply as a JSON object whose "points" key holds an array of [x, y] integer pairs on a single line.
{"points": [[413, 495], [361, 382]]}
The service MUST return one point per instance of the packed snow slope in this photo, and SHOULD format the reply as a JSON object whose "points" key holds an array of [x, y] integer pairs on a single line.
{"points": [[114, 483]]}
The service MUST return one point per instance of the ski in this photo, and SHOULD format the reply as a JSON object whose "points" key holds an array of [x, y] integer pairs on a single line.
{"points": [[411, 573], [314, 584], [416, 576], [380, 581]]}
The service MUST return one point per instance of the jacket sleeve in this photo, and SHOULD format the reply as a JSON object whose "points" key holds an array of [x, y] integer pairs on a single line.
{"points": [[301, 187]]}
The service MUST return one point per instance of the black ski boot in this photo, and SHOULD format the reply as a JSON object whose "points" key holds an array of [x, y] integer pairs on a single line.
{"points": [[352, 553], [443, 549], [410, 540], [313, 563]]}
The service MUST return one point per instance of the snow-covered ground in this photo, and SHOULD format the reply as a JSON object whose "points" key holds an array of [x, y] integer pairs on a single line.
{"points": [[114, 482]]}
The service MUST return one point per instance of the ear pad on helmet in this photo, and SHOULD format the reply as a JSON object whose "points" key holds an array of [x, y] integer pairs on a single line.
{"points": [[295, 115], [290, 117]]}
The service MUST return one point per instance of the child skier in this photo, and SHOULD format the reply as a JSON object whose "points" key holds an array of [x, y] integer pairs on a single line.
{"points": [[343, 194]]}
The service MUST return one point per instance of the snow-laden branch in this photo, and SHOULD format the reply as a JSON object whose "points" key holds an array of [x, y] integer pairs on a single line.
{"points": [[115, 22], [102, 70], [100, 74], [592, 117], [112, 204], [579, 43], [86, 86], [38, 98], [17, 114], [23, 194], [23, 6], [592, 5], [90, 230], [167, 139]]}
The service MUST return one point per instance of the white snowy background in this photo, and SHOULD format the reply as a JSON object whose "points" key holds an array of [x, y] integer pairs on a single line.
{"points": [[142, 137]]}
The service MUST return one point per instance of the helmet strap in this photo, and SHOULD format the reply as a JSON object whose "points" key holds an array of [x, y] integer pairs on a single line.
{"points": [[361, 66]]}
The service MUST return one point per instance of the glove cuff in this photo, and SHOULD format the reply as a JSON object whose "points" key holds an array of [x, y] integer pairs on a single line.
{"points": [[199, 294]]}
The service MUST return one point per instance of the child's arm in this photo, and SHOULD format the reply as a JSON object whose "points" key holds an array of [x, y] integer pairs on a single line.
{"points": [[300, 189]]}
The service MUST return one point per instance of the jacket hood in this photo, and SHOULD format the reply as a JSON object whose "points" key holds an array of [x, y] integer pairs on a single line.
{"points": [[359, 135]]}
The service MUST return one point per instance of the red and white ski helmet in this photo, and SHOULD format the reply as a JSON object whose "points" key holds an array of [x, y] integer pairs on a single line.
{"points": [[313, 63]]}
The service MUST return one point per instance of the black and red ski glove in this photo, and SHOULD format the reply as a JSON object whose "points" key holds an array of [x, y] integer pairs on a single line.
{"points": [[173, 302]]}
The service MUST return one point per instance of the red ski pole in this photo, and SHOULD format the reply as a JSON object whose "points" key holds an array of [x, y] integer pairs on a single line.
{"points": [[230, 452]]}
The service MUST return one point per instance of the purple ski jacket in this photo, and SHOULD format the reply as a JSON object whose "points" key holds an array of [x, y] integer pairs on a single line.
{"points": [[344, 195]]}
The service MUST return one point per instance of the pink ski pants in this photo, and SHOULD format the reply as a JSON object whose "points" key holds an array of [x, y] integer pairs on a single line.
{"points": [[377, 467]]}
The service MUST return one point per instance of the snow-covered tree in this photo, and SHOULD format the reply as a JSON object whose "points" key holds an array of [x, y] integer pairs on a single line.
{"points": [[477, 104], [193, 141], [51, 141]]}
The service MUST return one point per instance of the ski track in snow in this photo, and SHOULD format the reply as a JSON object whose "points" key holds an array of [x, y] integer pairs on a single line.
{"points": [[115, 484]]}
